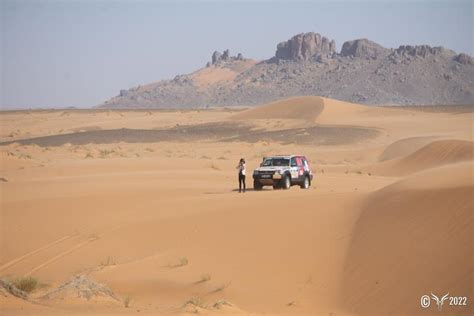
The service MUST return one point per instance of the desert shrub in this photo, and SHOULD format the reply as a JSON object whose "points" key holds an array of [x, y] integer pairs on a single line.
{"points": [[194, 301], [26, 284], [221, 303], [109, 262], [126, 301], [204, 278], [105, 152], [220, 288], [181, 262]]}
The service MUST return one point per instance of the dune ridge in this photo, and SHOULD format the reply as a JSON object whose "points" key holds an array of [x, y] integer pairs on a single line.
{"points": [[314, 109], [412, 238], [436, 153], [404, 147], [304, 108]]}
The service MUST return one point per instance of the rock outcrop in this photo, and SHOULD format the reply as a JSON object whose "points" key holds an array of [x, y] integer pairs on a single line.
{"points": [[216, 56], [81, 287], [8, 288], [223, 57], [305, 46], [363, 48], [464, 59], [308, 64], [420, 50]]}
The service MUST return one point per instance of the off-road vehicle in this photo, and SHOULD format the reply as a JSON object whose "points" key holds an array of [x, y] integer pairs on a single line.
{"points": [[283, 171]]}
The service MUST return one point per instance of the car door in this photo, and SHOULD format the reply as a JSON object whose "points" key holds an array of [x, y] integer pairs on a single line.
{"points": [[300, 166], [293, 168]]}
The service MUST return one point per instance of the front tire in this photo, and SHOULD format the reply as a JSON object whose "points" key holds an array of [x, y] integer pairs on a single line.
{"points": [[305, 184], [286, 183], [257, 185]]}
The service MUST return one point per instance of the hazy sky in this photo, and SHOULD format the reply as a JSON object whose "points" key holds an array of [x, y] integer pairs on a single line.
{"points": [[81, 53]]}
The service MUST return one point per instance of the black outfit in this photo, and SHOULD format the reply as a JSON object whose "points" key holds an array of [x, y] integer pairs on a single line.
{"points": [[241, 181]]}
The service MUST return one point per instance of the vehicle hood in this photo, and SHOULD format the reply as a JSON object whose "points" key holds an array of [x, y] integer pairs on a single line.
{"points": [[272, 168]]}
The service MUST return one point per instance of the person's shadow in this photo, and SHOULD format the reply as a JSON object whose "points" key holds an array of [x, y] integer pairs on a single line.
{"points": [[252, 190]]}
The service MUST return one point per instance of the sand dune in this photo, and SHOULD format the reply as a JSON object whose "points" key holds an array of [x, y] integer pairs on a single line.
{"points": [[413, 238], [309, 108], [303, 128], [303, 108], [335, 111], [404, 147], [324, 112], [434, 154], [145, 204]]}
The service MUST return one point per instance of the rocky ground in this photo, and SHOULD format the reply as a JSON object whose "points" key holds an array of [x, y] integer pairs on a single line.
{"points": [[308, 64]]}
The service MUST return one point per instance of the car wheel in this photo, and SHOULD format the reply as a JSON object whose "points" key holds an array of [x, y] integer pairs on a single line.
{"points": [[286, 183], [305, 184], [256, 185]]}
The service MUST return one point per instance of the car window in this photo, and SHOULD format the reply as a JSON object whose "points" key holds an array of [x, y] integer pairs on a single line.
{"points": [[299, 162], [276, 162], [293, 162]]}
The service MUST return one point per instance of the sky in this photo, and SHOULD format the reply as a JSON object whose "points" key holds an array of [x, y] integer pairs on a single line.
{"points": [[56, 54]]}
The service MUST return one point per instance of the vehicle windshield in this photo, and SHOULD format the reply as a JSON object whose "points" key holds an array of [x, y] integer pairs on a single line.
{"points": [[276, 162]]}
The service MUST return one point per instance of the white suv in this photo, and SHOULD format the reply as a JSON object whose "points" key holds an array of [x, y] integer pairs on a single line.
{"points": [[283, 172]]}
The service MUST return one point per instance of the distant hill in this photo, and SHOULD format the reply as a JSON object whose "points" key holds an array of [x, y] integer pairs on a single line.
{"points": [[308, 64]]}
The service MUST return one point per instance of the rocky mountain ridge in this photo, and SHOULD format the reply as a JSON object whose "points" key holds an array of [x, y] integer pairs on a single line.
{"points": [[308, 64]]}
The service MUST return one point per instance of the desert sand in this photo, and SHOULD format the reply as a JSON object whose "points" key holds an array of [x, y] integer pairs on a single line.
{"points": [[140, 210]]}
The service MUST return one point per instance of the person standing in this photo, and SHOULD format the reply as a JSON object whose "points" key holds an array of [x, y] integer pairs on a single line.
{"points": [[241, 168]]}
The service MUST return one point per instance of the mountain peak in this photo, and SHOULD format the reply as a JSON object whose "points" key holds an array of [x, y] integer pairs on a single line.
{"points": [[362, 48], [305, 46]]}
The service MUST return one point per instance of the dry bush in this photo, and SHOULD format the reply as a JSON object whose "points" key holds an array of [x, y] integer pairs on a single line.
{"points": [[104, 153], [126, 301], [183, 261], [220, 288], [221, 303], [204, 278], [26, 284], [109, 262]]}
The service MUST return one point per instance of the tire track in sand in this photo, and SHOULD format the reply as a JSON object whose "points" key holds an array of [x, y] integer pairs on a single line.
{"points": [[31, 253], [70, 250], [60, 255]]}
